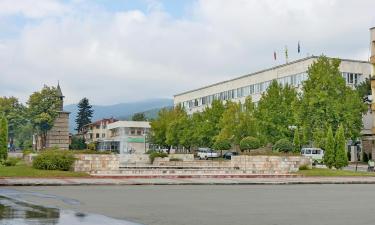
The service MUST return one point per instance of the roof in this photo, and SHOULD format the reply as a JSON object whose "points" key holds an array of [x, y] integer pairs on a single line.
{"points": [[265, 70], [98, 122], [59, 92], [124, 123]]}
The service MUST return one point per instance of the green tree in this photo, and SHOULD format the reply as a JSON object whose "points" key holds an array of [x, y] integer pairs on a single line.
{"points": [[327, 100], [159, 127], [364, 88], [78, 143], [3, 138], [139, 117], [208, 124], [249, 143], [16, 115], [84, 115], [283, 145], [296, 141], [248, 125], [24, 136], [329, 153], [229, 124], [222, 144], [43, 110], [341, 158], [275, 112], [175, 126]]}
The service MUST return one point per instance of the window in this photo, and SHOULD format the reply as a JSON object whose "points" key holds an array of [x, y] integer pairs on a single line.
{"points": [[139, 132], [97, 135], [103, 135], [97, 126]]}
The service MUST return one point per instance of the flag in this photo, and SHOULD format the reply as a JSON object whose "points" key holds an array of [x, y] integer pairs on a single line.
{"points": [[299, 48], [286, 53], [274, 55]]}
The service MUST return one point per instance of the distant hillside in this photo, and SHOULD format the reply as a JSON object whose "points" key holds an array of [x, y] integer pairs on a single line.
{"points": [[150, 114], [123, 110]]}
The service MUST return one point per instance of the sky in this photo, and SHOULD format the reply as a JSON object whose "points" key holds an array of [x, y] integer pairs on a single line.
{"points": [[114, 51]]}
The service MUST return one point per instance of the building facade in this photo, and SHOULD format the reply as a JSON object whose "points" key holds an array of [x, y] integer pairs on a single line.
{"points": [[127, 137], [293, 73], [369, 138], [254, 84], [96, 131]]}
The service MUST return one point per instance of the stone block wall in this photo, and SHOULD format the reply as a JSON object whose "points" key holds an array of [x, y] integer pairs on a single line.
{"points": [[270, 164], [58, 136], [96, 162]]}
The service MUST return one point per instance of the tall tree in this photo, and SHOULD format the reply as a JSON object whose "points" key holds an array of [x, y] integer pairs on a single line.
{"points": [[275, 112], [84, 115], [364, 88], [16, 115], [43, 110], [159, 127], [341, 158], [327, 100], [296, 141], [139, 117], [3, 138], [229, 124], [329, 153]]}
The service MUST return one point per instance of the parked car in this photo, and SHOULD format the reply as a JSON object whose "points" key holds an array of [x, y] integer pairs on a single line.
{"points": [[206, 153], [228, 155], [316, 154]]}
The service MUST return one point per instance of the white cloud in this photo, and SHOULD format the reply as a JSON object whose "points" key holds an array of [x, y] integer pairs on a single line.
{"points": [[115, 57], [32, 8]]}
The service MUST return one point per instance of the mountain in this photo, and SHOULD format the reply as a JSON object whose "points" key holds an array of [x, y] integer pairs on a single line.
{"points": [[122, 110]]}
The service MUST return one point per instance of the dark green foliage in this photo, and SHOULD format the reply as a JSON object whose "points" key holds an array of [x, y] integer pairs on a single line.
{"points": [[283, 145], [296, 141], [249, 143], [275, 111], [365, 157], [328, 101], [84, 114], [364, 88], [222, 144], [304, 167], [156, 154], [341, 159], [3, 138], [139, 117], [78, 143], [175, 159], [11, 161], [54, 160], [329, 154]]}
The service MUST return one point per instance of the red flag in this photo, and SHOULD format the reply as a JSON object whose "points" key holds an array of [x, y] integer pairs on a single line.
{"points": [[274, 55]]}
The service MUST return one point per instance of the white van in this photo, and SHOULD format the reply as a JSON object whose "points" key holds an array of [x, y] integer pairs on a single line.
{"points": [[316, 154]]}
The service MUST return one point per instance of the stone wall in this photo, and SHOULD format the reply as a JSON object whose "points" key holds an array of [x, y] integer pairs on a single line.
{"points": [[96, 162], [112, 164], [58, 136]]}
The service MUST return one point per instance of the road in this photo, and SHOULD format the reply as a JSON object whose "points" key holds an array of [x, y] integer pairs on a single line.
{"points": [[217, 204]]}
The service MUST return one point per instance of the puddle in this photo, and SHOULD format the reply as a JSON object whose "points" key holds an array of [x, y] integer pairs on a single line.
{"points": [[16, 212]]}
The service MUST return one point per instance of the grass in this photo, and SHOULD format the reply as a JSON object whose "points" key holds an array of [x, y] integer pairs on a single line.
{"points": [[23, 170], [319, 172]]}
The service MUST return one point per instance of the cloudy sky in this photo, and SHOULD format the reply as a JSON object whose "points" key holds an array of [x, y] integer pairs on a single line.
{"points": [[116, 51]]}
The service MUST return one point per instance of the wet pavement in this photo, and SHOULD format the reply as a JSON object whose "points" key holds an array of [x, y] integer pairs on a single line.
{"points": [[17, 212]]}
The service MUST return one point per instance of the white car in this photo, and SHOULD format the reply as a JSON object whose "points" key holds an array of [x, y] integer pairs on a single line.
{"points": [[206, 153], [316, 154]]}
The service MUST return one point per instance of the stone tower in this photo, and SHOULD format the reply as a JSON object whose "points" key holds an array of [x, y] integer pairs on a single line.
{"points": [[58, 136]]}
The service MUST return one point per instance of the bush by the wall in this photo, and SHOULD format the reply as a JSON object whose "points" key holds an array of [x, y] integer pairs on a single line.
{"points": [[156, 154], [54, 160], [283, 145], [11, 161], [91, 146], [249, 143]]}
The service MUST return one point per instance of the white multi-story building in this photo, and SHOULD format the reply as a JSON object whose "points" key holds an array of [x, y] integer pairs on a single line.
{"points": [[126, 137], [254, 84]]}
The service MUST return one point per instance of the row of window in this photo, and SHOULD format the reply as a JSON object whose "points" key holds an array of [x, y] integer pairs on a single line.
{"points": [[294, 80]]}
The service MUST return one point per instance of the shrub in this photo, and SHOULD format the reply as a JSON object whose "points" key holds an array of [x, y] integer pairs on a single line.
{"points": [[222, 144], [77, 143], [54, 160], [304, 167], [155, 154], [91, 146], [175, 159], [283, 145], [27, 151], [249, 143], [88, 151], [11, 161]]}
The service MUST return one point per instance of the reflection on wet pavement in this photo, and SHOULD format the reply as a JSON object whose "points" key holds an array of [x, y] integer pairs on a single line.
{"points": [[15, 212]]}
